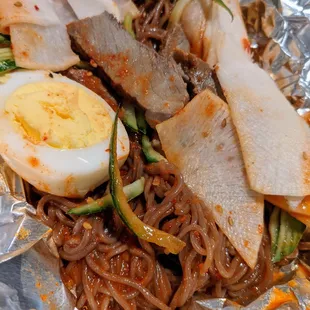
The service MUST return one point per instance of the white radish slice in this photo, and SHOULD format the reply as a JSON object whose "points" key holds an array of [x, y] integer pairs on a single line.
{"points": [[202, 142], [209, 52], [298, 205], [193, 22], [216, 19], [90, 8], [234, 28], [38, 12], [39, 47], [275, 141], [294, 203], [64, 11]]}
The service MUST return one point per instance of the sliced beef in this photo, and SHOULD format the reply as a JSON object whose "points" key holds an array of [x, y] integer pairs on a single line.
{"points": [[198, 74], [139, 72], [175, 39], [93, 83]]}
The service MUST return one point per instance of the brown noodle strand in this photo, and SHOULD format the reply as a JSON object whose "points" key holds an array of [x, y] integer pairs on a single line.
{"points": [[150, 24], [69, 249], [162, 285], [105, 303], [304, 246], [123, 280], [150, 264], [81, 301], [122, 248], [87, 289], [108, 247], [117, 296], [111, 268]]}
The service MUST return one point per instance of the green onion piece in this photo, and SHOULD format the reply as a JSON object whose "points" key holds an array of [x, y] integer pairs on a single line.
{"points": [[223, 5], [129, 117], [285, 232], [7, 62], [128, 25], [6, 54], [171, 243], [141, 122], [151, 155], [7, 65], [131, 191]]}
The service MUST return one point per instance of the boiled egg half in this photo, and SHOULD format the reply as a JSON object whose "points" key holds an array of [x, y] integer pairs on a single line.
{"points": [[55, 133]]}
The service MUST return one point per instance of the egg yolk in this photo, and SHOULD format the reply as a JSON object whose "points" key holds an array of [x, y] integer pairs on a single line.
{"points": [[58, 114]]}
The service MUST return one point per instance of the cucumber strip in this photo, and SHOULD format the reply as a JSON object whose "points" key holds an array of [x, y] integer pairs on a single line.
{"points": [[285, 232], [6, 54], [141, 122], [274, 228], [4, 39], [171, 243], [7, 65], [129, 117], [296, 231], [151, 155], [284, 238], [128, 25], [84, 65], [131, 191]]}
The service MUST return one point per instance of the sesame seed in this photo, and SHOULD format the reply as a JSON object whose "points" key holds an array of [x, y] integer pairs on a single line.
{"points": [[18, 4], [87, 226], [219, 209], [93, 63]]}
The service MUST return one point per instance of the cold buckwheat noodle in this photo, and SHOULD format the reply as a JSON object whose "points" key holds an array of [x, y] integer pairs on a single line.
{"points": [[110, 268], [150, 24]]}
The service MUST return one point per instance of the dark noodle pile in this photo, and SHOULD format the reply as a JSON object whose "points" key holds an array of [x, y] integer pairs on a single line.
{"points": [[112, 269], [150, 25]]}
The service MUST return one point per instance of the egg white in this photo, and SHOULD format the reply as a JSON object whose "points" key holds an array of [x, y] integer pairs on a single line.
{"points": [[62, 172]]}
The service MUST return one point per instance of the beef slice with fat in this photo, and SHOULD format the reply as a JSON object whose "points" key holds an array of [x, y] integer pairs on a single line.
{"points": [[175, 39], [138, 71], [199, 75]]}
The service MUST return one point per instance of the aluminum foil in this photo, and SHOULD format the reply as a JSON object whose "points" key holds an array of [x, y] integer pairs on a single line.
{"points": [[291, 291], [32, 281], [19, 230], [279, 32], [29, 273], [295, 295]]}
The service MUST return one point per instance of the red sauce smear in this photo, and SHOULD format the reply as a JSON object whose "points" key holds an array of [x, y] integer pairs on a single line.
{"points": [[33, 161]]}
